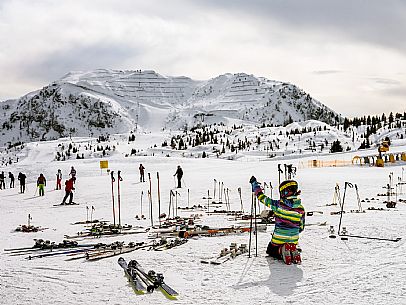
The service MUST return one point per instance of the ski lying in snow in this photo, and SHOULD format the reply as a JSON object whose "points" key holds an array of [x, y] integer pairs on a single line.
{"points": [[153, 280], [227, 254], [65, 204], [133, 277], [105, 233]]}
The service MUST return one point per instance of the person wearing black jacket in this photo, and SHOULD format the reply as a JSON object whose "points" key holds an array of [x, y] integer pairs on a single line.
{"points": [[179, 175], [21, 177]]}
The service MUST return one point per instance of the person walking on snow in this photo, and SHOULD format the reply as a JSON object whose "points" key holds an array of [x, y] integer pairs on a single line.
{"points": [[59, 180], [11, 176], [69, 191], [41, 184], [179, 175], [73, 173], [289, 220], [21, 177], [2, 183], [142, 168]]}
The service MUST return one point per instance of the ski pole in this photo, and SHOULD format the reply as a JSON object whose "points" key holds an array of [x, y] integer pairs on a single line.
{"points": [[118, 197], [373, 238], [342, 206], [159, 200], [219, 192], [91, 214], [214, 189], [279, 172], [358, 199], [252, 211], [150, 199], [239, 193], [188, 197], [255, 224], [142, 195], [112, 197], [208, 201], [170, 203], [87, 214]]}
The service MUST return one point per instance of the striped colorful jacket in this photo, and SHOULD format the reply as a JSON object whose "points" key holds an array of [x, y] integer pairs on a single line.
{"points": [[289, 217]]}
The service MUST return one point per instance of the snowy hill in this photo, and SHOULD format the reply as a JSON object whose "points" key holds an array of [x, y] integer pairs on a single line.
{"points": [[108, 101]]}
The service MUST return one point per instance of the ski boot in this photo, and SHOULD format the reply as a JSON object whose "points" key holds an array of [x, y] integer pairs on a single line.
{"points": [[295, 253], [285, 253]]}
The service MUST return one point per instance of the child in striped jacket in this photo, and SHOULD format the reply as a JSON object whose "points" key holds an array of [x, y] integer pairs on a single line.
{"points": [[289, 220]]}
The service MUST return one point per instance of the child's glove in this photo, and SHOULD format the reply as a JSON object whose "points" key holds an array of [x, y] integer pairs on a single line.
{"points": [[256, 187]]}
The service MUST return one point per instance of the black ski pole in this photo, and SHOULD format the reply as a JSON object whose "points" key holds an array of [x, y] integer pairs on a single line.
{"points": [[214, 189], [87, 214], [255, 225], [150, 199], [159, 200], [91, 214], [342, 206], [118, 197], [239, 193], [279, 173], [374, 238], [112, 197], [142, 195]]}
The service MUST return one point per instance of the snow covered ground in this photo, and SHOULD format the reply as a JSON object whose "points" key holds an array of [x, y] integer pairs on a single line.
{"points": [[357, 271]]}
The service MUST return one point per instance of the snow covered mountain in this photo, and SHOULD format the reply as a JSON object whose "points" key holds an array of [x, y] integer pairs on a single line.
{"points": [[111, 101]]}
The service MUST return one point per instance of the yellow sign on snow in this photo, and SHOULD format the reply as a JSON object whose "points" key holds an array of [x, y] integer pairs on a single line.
{"points": [[104, 164]]}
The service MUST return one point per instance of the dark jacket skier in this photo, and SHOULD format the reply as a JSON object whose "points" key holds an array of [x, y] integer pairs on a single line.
{"points": [[11, 176], [179, 175], [21, 177], [142, 169], [289, 220], [2, 183]]}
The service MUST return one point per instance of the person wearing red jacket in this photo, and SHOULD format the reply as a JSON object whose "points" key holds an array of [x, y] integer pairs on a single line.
{"points": [[69, 191]]}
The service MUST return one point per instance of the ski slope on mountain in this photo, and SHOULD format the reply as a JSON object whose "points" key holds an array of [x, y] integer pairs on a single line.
{"points": [[356, 271], [99, 102]]}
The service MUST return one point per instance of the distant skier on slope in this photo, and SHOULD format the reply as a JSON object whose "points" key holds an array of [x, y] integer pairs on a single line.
{"points": [[73, 173], [289, 220], [179, 175], [41, 184], [21, 177], [69, 191], [2, 183], [59, 180], [12, 179], [142, 169]]}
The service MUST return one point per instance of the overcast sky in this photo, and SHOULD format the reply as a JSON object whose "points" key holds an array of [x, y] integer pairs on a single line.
{"points": [[350, 55]]}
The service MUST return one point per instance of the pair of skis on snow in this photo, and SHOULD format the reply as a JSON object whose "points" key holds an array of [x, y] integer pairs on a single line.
{"points": [[142, 281]]}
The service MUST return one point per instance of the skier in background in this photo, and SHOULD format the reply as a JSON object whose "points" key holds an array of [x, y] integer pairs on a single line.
{"points": [[11, 176], [59, 180], [179, 175], [2, 183], [73, 173], [41, 184], [69, 191], [142, 168], [21, 177], [289, 220]]}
